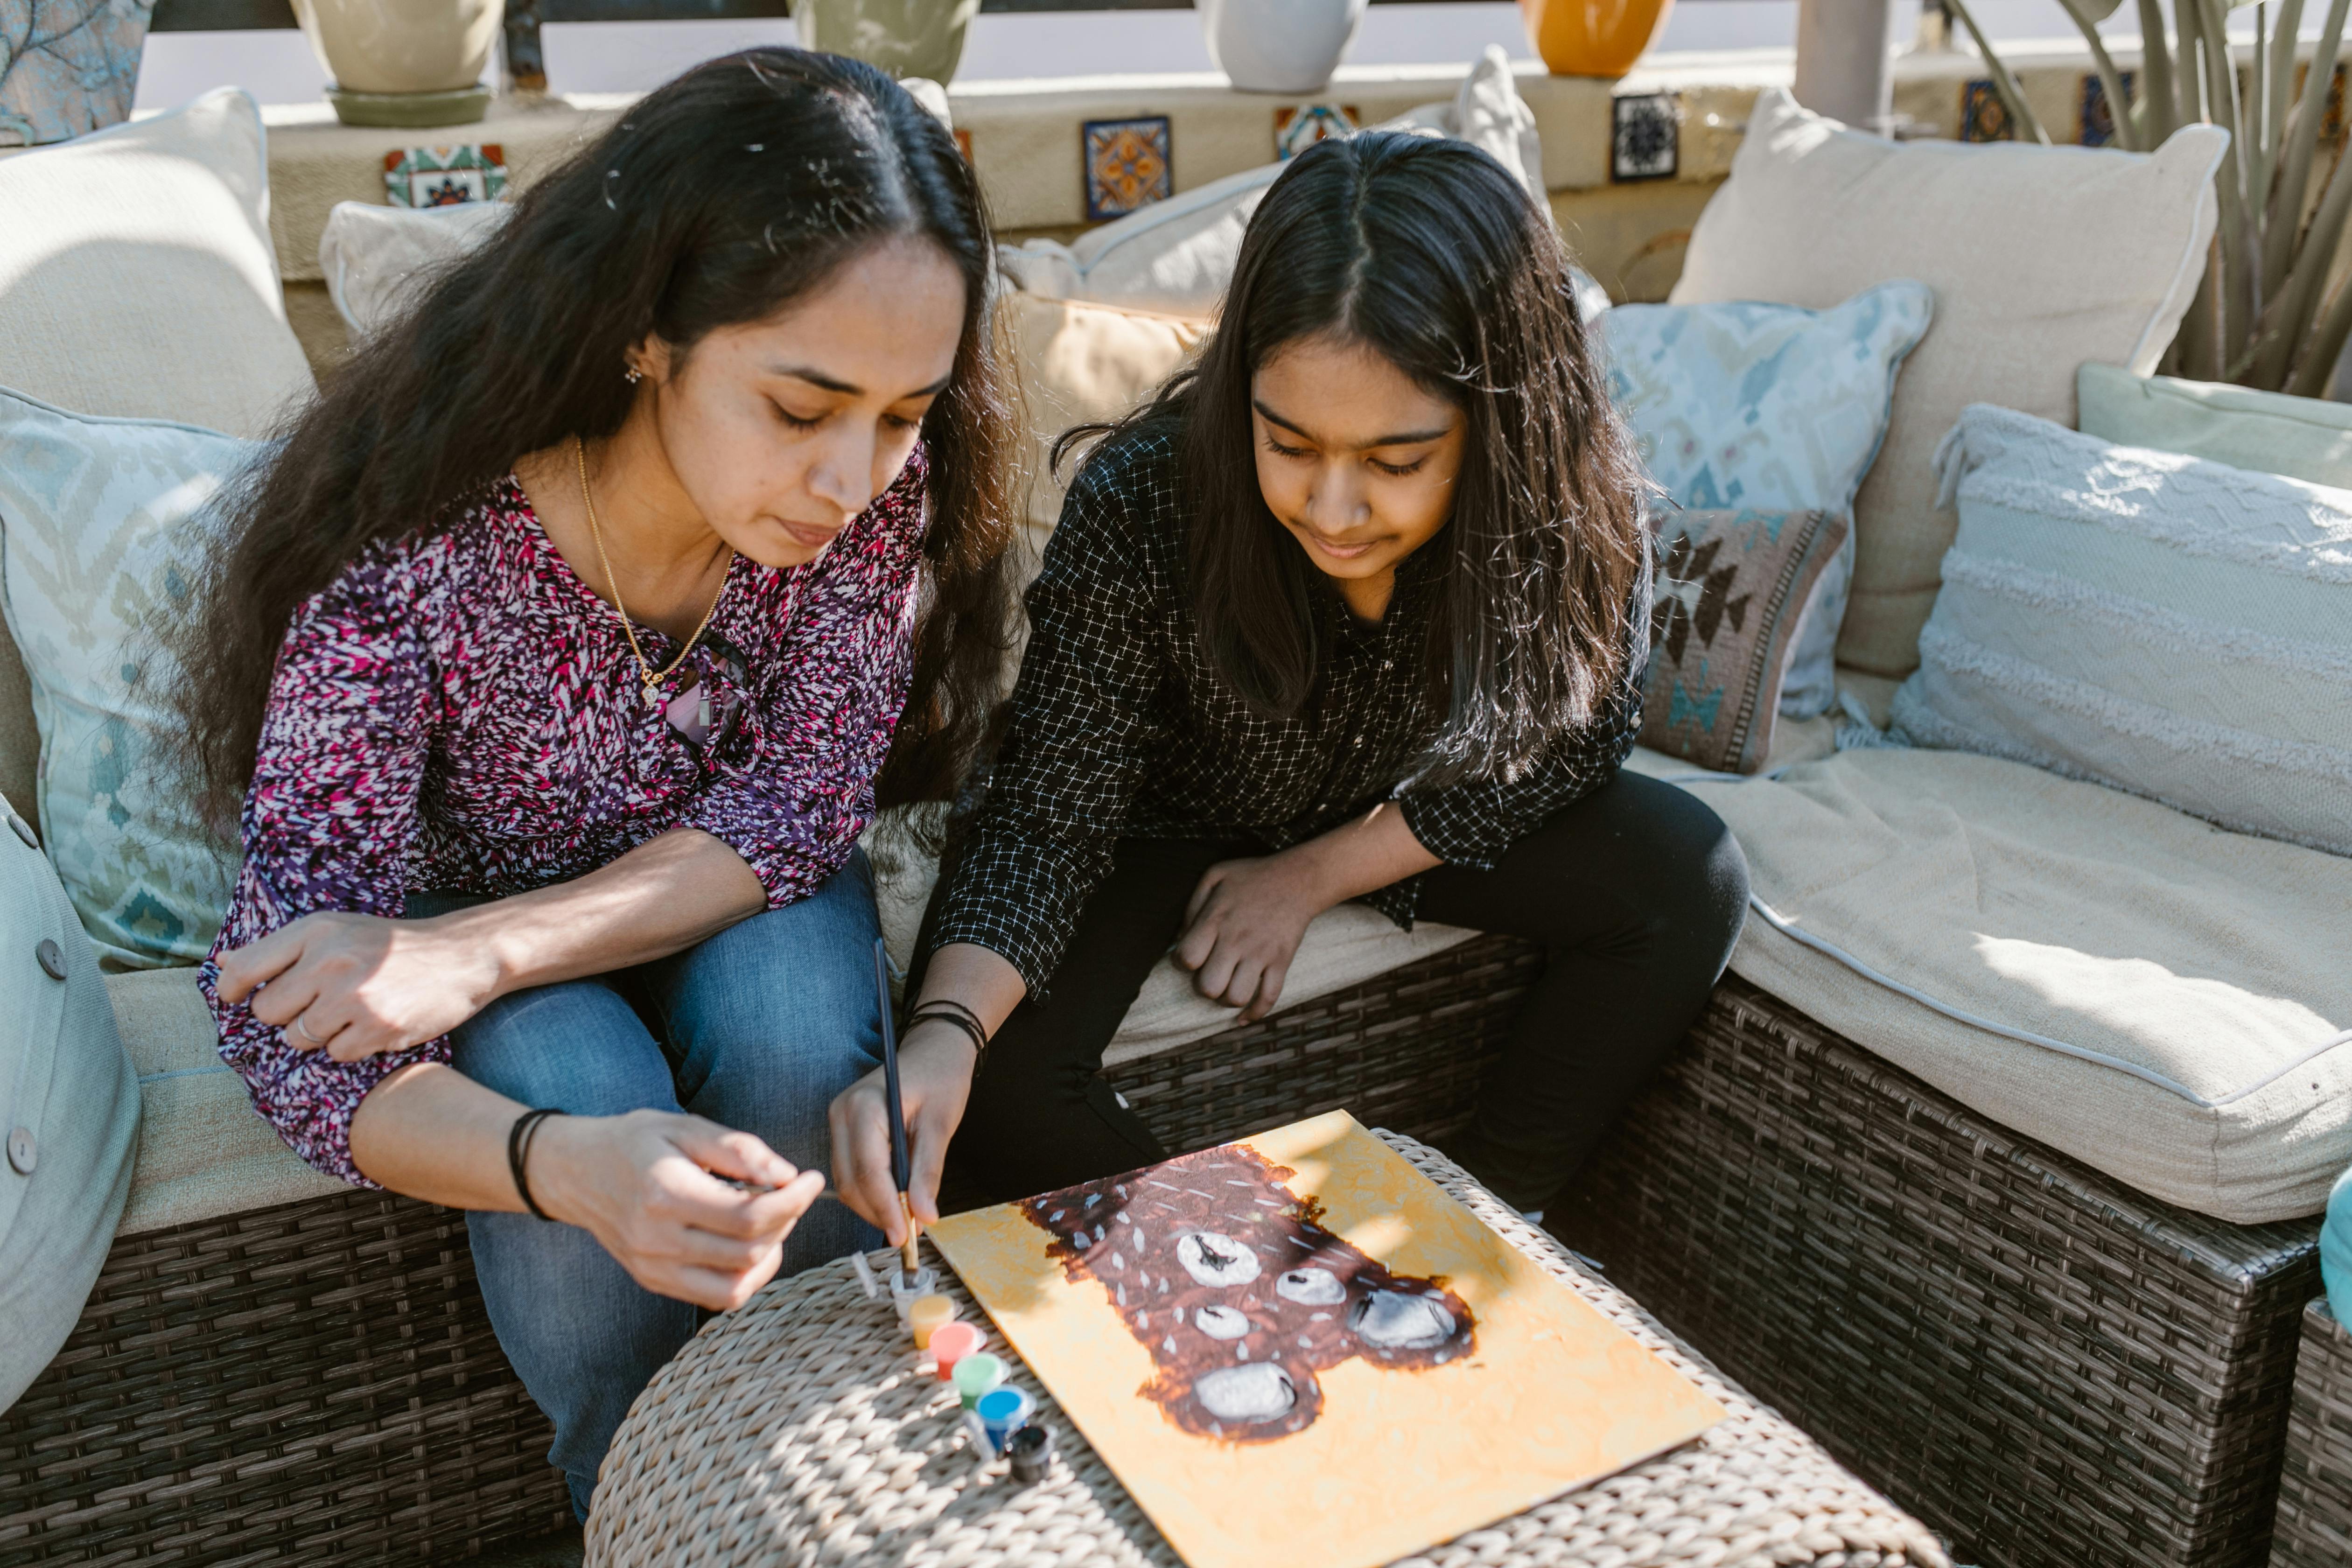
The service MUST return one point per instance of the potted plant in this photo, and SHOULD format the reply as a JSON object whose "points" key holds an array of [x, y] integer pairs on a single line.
{"points": [[403, 62], [2263, 317], [1279, 46], [1594, 37], [905, 37]]}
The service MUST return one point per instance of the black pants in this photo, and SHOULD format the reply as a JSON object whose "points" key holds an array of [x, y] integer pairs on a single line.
{"points": [[1636, 893]]}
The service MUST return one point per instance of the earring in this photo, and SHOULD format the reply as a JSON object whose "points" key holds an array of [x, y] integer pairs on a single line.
{"points": [[633, 375]]}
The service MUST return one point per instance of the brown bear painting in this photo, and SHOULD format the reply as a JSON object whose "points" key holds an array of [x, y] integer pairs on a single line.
{"points": [[1241, 1295]]}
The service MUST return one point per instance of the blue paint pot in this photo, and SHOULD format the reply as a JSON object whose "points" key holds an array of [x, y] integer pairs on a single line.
{"points": [[1002, 1411]]}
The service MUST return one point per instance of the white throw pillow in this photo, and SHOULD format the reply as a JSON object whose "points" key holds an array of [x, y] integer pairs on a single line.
{"points": [[137, 276], [100, 541], [1177, 256], [2155, 623], [2041, 257], [1773, 407], [374, 256], [68, 1117]]}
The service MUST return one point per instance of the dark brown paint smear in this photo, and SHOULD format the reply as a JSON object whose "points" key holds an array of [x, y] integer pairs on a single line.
{"points": [[1231, 1281]]}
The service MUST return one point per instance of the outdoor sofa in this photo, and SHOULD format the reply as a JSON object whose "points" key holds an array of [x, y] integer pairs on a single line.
{"points": [[2044, 1360]]}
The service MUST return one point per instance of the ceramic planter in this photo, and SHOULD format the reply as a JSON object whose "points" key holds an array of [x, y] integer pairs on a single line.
{"points": [[1279, 46], [905, 37], [403, 62], [1594, 37]]}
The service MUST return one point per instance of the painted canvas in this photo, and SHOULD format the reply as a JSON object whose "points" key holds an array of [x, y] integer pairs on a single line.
{"points": [[1296, 1348]]}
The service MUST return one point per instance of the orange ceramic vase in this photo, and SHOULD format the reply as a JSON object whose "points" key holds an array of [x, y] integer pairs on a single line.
{"points": [[1594, 37]]}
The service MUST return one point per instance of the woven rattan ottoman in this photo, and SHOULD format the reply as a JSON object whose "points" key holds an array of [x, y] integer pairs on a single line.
{"points": [[798, 1430], [2314, 1505]]}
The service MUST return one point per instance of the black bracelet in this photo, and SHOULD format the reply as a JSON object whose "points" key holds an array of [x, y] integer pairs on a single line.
{"points": [[518, 1141], [963, 1019]]}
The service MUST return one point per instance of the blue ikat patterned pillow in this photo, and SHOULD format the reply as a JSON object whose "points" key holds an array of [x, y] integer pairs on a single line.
{"points": [[1772, 407], [102, 540]]}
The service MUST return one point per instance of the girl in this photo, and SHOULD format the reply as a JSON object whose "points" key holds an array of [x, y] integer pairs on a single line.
{"points": [[1357, 609], [558, 657]]}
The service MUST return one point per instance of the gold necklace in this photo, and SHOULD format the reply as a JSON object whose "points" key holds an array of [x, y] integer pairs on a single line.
{"points": [[645, 671]]}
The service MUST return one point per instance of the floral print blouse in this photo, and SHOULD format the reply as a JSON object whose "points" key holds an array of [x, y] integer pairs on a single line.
{"points": [[459, 713]]}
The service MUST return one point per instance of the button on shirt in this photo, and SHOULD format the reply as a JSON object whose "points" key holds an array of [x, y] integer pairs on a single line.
{"points": [[1121, 727]]}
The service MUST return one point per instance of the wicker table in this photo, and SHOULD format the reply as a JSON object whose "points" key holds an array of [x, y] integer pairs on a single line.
{"points": [[798, 1430]]}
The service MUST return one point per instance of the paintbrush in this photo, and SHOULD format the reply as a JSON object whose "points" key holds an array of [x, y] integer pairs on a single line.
{"points": [[901, 1168]]}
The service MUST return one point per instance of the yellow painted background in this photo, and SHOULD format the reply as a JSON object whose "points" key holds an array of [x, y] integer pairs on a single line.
{"points": [[1555, 1395]]}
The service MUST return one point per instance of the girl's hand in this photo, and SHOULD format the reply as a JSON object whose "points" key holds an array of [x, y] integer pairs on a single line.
{"points": [[356, 985], [647, 1187], [1244, 926], [935, 1063]]}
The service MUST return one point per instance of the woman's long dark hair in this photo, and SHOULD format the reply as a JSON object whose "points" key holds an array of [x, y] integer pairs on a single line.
{"points": [[716, 200], [1428, 252]]}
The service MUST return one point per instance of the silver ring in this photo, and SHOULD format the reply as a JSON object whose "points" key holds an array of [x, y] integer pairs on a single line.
{"points": [[302, 1028]]}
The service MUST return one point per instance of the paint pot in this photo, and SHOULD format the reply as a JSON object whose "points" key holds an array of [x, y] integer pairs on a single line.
{"points": [[1031, 1449], [926, 1315], [951, 1342], [906, 1289], [975, 1376], [1001, 1412]]}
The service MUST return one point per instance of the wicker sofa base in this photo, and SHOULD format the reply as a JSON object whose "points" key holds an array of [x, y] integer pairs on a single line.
{"points": [[314, 1382], [2314, 1505], [2047, 1367]]}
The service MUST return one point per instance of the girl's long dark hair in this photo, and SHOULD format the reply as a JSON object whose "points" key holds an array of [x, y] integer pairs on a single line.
{"points": [[1431, 254], [716, 200]]}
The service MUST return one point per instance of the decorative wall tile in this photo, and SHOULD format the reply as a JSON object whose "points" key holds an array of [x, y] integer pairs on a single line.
{"points": [[2098, 119], [1299, 128], [445, 176], [1647, 141], [1983, 116], [1129, 164]]}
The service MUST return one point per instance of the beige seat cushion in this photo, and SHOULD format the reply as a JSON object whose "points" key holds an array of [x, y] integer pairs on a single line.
{"points": [[203, 1151], [2041, 257], [2164, 1001]]}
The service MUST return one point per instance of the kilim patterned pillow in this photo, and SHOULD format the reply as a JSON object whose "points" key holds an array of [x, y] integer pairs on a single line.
{"points": [[1730, 587]]}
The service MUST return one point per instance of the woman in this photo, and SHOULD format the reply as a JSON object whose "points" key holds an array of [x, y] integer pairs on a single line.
{"points": [[1357, 609], [555, 657]]}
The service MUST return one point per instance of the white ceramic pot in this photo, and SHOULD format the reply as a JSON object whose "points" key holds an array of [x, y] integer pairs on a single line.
{"points": [[1279, 46], [402, 46]]}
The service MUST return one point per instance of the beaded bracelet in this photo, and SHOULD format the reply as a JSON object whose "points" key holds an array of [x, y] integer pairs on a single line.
{"points": [[518, 1140]]}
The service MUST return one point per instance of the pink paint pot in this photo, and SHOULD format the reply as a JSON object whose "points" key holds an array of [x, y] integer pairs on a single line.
{"points": [[951, 1342]]}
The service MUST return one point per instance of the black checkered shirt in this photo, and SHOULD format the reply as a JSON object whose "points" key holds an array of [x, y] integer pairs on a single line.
{"points": [[1121, 727]]}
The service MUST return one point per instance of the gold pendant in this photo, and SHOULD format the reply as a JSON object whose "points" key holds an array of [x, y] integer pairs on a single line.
{"points": [[653, 694]]}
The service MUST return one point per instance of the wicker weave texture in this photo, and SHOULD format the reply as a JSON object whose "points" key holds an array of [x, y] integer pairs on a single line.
{"points": [[2314, 1505], [1405, 1049], [2049, 1368], [801, 1430], [315, 1383]]}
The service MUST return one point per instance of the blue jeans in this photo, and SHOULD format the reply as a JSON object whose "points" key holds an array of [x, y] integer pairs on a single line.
{"points": [[757, 1029]]}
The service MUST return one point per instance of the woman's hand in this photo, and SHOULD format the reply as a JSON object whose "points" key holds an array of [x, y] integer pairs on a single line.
{"points": [[935, 1064], [356, 985], [647, 1185], [1243, 925]]}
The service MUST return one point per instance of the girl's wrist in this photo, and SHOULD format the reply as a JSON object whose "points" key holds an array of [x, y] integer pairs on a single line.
{"points": [[934, 1038]]}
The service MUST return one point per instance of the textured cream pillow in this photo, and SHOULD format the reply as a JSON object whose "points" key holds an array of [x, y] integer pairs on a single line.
{"points": [[2041, 257], [1081, 363], [136, 274]]}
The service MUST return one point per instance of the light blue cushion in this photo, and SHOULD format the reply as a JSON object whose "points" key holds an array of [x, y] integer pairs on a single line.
{"points": [[2153, 622], [102, 532], [2336, 1249], [1770, 407]]}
